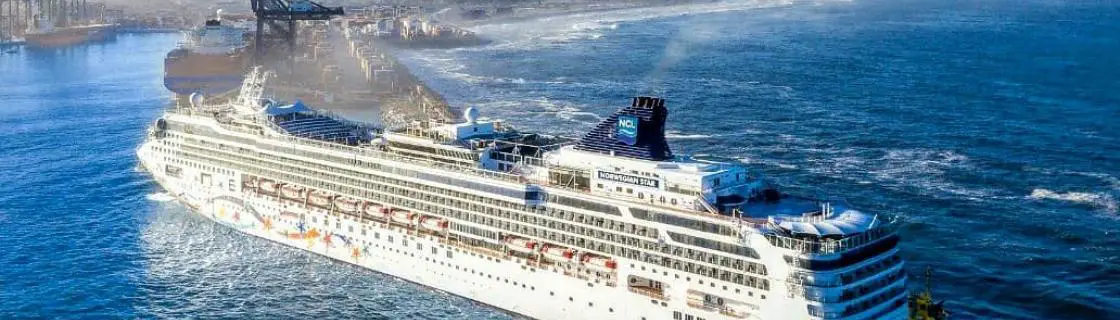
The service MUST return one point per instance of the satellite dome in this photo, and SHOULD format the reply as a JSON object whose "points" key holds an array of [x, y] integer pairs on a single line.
{"points": [[197, 99], [471, 114], [265, 102]]}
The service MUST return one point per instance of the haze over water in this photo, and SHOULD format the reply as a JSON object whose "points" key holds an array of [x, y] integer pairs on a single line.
{"points": [[987, 127]]}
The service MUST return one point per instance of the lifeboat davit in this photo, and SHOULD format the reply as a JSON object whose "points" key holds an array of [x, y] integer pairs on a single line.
{"points": [[250, 183], [347, 204], [292, 191], [433, 223], [599, 263], [521, 245], [557, 253], [267, 185], [402, 216], [320, 198]]}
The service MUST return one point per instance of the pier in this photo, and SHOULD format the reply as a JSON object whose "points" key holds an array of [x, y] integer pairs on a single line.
{"points": [[339, 67], [411, 27]]}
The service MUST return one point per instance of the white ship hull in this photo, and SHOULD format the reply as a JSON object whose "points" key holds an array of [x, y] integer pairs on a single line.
{"points": [[503, 228], [506, 282]]}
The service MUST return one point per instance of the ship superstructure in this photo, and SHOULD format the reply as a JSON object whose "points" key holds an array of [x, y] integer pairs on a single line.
{"points": [[212, 59], [611, 225]]}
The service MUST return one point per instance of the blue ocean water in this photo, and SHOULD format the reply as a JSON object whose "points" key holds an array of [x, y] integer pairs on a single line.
{"points": [[988, 127]]}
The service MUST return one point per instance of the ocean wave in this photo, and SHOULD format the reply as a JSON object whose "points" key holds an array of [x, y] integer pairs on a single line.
{"points": [[677, 135], [1099, 200], [925, 171], [160, 197], [559, 30]]}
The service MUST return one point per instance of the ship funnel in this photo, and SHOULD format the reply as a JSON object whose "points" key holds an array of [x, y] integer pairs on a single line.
{"points": [[637, 131]]}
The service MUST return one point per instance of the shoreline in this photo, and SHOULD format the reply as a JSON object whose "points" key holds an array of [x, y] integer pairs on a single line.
{"points": [[544, 13]]}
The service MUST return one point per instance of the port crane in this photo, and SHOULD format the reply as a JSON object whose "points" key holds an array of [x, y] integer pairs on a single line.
{"points": [[17, 16], [281, 17]]}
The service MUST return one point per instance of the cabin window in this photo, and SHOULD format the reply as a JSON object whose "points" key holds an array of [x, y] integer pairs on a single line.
{"points": [[715, 182], [673, 201], [641, 195], [629, 190]]}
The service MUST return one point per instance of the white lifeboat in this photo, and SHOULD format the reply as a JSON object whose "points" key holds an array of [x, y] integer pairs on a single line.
{"points": [[267, 185], [347, 204], [521, 244], [320, 198], [433, 223], [599, 263], [292, 191], [557, 253], [402, 216]]}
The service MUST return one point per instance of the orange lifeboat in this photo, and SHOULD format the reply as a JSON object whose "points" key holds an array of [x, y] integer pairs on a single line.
{"points": [[267, 186], [292, 191], [402, 216], [320, 198], [557, 253], [347, 204], [598, 263], [521, 245], [376, 211], [433, 223]]}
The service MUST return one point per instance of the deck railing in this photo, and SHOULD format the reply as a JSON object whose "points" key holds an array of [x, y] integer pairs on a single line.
{"points": [[831, 246]]}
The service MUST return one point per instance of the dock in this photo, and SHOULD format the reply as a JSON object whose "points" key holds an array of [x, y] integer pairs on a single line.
{"points": [[411, 27], [338, 66]]}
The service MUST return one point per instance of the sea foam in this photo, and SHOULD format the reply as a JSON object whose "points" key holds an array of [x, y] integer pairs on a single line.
{"points": [[1100, 200], [160, 197]]}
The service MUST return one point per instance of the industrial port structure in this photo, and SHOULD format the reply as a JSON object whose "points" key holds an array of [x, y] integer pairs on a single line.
{"points": [[18, 16]]}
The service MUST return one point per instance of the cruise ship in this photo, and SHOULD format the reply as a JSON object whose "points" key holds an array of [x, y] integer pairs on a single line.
{"points": [[610, 225]]}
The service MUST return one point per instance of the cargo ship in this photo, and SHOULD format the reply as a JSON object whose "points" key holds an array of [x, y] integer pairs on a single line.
{"points": [[49, 34], [212, 59]]}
